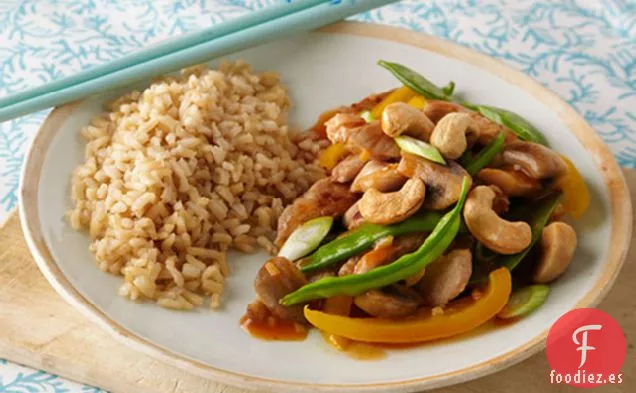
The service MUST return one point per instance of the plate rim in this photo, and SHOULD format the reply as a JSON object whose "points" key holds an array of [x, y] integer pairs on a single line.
{"points": [[620, 213]]}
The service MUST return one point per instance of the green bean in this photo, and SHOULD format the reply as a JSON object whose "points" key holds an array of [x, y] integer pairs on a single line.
{"points": [[362, 238], [407, 265]]}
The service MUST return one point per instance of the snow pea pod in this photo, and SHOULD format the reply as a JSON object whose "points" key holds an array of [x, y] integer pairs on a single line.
{"points": [[362, 238], [483, 158], [520, 126], [433, 247], [537, 220], [418, 83]]}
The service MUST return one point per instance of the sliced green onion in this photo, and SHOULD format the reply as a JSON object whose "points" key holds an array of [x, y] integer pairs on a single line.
{"points": [[419, 148], [524, 301], [306, 238], [367, 116]]}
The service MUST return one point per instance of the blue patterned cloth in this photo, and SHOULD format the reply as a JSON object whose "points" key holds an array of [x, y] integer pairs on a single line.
{"points": [[585, 50]]}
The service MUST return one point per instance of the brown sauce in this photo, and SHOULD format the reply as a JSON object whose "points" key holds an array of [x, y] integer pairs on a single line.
{"points": [[273, 329]]}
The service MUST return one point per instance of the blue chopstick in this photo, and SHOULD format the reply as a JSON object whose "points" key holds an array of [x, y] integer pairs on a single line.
{"points": [[166, 47], [306, 19]]}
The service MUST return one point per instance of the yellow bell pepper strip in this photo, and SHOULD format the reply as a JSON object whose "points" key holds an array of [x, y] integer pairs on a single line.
{"points": [[403, 94], [418, 102], [331, 156], [407, 265], [459, 317], [337, 305], [576, 195]]}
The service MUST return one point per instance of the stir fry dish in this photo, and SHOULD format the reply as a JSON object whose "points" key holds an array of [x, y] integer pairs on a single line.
{"points": [[437, 215]]}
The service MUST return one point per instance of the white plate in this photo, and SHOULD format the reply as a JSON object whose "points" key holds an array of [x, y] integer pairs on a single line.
{"points": [[322, 70]]}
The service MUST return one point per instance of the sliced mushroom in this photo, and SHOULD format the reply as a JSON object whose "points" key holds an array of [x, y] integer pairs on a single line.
{"points": [[536, 160], [443, 183], [386, 305], [352, 130], [382, 176], [512, 182], [452, 133], [436, 110], [275, 279], [401, 118], [558, 243], [352, 217], [347, 169], [388, 208], [497, 234], [446, 278]]}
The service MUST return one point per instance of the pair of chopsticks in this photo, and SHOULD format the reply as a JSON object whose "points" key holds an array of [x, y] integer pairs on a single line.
{"points": [[285, 19]]}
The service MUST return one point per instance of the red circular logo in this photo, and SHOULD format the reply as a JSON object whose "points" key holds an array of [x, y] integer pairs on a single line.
{"points": [[586, 347]]}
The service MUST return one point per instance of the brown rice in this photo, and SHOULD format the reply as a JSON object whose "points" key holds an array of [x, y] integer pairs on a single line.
{"points": [[177, 174]]}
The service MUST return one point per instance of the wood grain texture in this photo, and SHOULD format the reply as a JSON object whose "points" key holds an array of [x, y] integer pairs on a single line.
{"points": [[40, 330]]}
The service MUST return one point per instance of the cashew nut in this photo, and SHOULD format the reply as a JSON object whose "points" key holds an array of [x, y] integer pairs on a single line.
{"points": [[536, 160], [446, 278], [435, 110], [388, 208], [443, 183], [512, 182], [558, 242], [386, 305], [450, 134], [401, 118], [497, 234], [379, 175]]}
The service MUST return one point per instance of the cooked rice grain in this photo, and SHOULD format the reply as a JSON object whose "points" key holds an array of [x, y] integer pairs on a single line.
{"points": [[180, 172]]}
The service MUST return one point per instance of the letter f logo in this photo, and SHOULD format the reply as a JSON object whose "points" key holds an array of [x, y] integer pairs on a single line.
{"points": [[583, 344]]}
